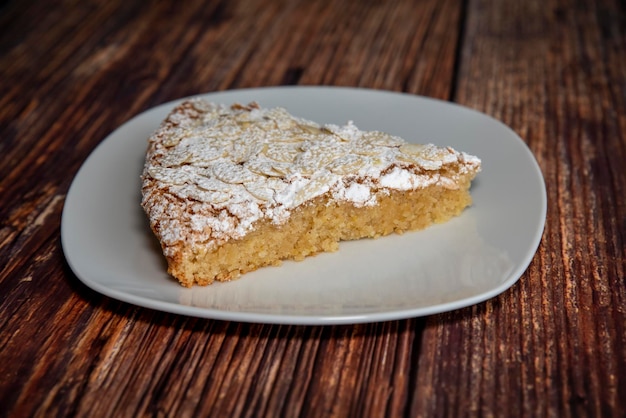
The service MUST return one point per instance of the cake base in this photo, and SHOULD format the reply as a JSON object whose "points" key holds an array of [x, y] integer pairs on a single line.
{"points": [[318, 226]]}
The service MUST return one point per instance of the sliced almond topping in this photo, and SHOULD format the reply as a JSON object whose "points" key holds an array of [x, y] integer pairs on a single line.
{"points": [[266, 168], [420, 162], [312, 129], [414, 149], [284, 152], [260, 190], [169, 175], [232, 173], [348, 164], [378, 139], [210, 183], [313, 188]]}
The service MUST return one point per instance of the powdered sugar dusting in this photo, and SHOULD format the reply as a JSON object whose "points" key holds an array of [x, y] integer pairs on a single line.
{"points": [[212, 171]]}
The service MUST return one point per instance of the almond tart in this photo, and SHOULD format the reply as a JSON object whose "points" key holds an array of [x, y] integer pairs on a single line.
{"points": [[229, 189]]}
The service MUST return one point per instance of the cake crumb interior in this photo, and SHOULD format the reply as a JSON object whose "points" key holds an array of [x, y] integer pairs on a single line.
{"points": [[319, 226]]}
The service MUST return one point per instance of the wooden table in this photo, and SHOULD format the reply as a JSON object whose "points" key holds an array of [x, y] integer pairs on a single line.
{"points": [[553, 345]]}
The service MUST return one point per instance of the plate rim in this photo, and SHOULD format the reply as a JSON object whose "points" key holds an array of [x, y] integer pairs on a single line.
{"points": [[292, 319]]}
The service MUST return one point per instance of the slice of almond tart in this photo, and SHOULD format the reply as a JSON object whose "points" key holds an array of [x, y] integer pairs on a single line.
{"points": [[229, 189]]}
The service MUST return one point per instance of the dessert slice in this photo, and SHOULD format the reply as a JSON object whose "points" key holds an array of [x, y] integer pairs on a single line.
{"points": [[230, 189]]}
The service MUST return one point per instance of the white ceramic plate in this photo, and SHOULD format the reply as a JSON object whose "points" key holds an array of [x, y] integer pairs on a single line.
{"points": [[109, 246]]}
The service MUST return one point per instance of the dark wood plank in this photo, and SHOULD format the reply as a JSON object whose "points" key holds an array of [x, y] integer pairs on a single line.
{"points": [[74, 77], [555, 344]]}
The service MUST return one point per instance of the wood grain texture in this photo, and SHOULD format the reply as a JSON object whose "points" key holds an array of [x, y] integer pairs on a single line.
{"points": [[553, 345], [546, 67]]}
